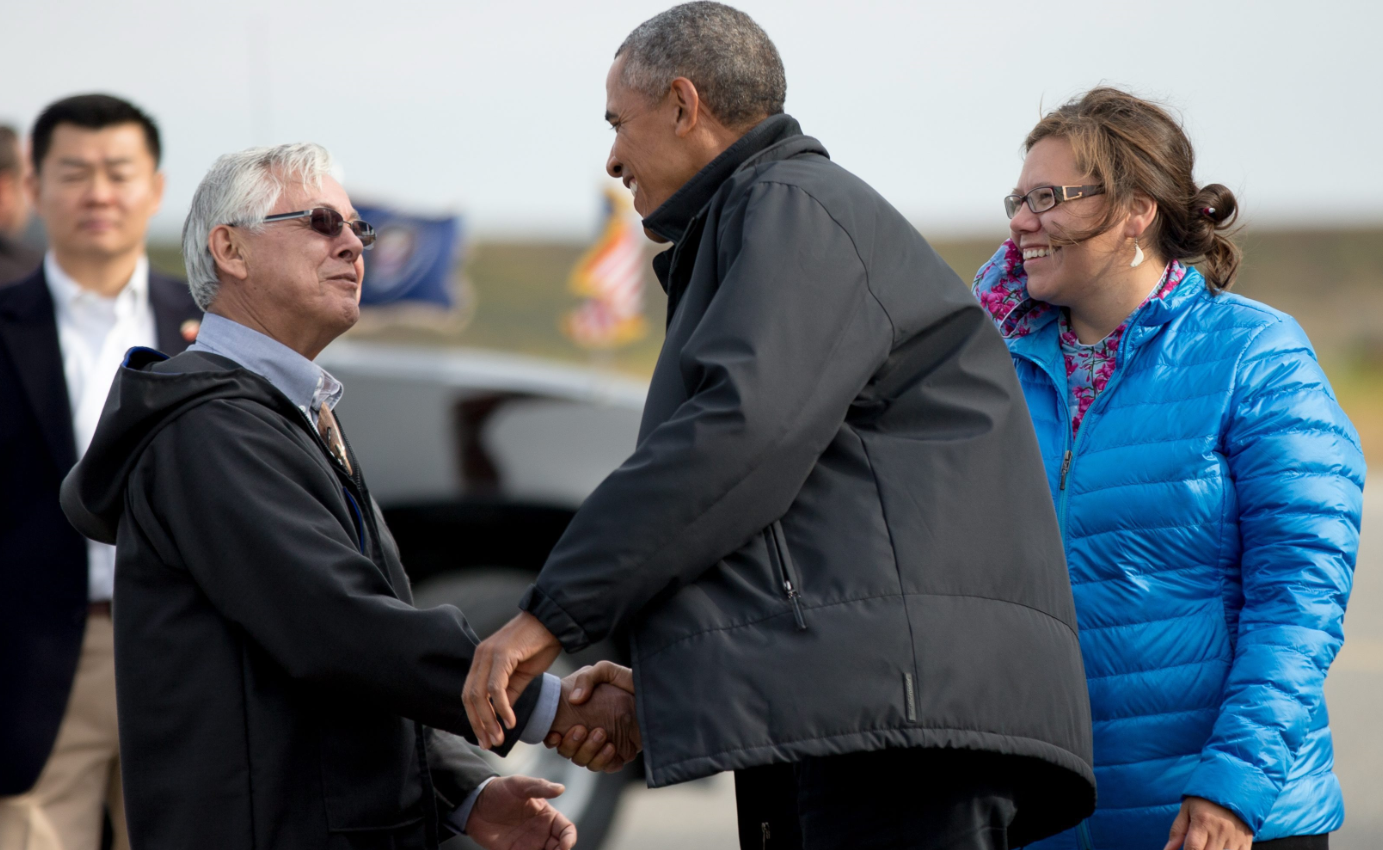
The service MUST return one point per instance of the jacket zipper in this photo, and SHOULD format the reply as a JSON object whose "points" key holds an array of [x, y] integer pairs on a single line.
{"points": [[1086, 841], [429, 797], [785, 571], [1069, 457], [1083, 833], [1066, 459], [359, 519]]}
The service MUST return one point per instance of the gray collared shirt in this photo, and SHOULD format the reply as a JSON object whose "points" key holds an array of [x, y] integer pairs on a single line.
{"points": [[309, 386], [306, 384]]}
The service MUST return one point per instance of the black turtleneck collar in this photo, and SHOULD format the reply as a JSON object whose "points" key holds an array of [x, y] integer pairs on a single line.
{"points": [[671, 219]]}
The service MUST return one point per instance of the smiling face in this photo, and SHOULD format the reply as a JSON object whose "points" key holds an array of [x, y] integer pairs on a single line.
{"points": [[299, 286], [649, 155], [96, 191], [1062, 274]]}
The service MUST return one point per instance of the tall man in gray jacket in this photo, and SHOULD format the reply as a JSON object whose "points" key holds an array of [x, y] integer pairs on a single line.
{"points": [[833, 544]]}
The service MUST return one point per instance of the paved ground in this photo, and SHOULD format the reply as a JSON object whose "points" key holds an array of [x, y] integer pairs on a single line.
{"points": [[701, 815], [696, 816]]}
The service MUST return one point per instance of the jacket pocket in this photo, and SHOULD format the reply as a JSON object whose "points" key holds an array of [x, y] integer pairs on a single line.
{"points": [[787, 573], [371, 778]]}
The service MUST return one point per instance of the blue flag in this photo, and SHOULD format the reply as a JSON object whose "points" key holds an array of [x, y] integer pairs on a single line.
{"points": [[412, 259]]}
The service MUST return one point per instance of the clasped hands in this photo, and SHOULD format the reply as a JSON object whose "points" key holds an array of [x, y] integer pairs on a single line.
{"points": [[596, 725], [512, 812]]}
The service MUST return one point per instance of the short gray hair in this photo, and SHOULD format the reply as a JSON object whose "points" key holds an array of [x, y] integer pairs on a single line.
{"points": [[240, 189], [729, 58]]}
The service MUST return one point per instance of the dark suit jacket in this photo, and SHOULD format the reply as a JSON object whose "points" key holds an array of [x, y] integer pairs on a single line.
{"points": [[43, 564]]}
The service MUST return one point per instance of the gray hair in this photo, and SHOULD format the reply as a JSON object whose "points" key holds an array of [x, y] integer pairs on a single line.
{"points": [[240, 189], [729, 58]]}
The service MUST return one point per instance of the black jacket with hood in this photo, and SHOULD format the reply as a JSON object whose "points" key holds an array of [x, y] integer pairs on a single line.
{"points": [[275, 685], [835, 533]]}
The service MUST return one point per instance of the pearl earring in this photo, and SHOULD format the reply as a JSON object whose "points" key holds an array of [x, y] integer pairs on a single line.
{"points": [[1137, 255]]}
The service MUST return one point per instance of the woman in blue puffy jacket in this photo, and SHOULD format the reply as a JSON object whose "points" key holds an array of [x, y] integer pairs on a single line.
{"points": [[1207, 484]]}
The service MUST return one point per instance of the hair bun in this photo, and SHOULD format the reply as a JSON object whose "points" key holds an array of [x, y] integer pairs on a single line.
{"points": [[1216, 203]]}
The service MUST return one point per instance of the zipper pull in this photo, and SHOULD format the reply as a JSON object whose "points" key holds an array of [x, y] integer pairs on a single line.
{"points": [[1065, 468], [793, 595]]}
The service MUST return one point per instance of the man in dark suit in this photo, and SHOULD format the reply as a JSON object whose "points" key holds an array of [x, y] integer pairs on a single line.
{"points": [[63, 332], [17, 260]]}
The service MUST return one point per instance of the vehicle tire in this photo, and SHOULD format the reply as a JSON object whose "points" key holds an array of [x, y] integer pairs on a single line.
{"points": [[489, 596]]}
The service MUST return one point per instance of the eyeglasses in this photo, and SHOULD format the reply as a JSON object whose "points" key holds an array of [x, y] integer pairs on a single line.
{"points": [[1043, 198], [329, 223]]}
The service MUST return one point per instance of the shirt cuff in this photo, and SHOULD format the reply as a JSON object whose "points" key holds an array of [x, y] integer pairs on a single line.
{"points": [[456, 821], [540, 721]]}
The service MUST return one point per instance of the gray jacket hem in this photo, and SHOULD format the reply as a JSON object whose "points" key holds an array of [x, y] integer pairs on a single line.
{"points": [[877, 739]]}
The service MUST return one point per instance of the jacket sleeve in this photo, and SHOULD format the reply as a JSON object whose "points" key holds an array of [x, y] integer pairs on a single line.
{"points": [[226, 492], [786, 342], [1298, 474], [456, 769]]}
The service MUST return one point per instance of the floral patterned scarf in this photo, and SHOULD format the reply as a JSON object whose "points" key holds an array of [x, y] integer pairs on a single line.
{"points": [[1002, 287]]}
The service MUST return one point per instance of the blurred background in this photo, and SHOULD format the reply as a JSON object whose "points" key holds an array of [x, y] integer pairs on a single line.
{"points": [[486, 120]]}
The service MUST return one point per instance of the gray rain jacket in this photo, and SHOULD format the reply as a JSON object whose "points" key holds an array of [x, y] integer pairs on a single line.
{"points": [[834, 534]]}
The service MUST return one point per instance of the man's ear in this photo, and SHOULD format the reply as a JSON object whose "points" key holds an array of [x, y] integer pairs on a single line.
{"points": [[228, 250], [31, 186], [688, 103], [159, 183]]}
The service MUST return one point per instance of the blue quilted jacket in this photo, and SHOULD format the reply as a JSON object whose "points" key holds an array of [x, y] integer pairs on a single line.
{"points": [[1210, 508]]}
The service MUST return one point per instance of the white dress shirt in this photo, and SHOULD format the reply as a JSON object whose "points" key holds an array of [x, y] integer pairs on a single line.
{"points": [[94, 333]]}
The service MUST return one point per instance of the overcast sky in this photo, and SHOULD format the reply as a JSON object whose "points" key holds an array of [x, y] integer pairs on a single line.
{"points": [[495, 109]]}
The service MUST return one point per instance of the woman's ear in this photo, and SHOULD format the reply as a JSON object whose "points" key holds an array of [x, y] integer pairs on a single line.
{"points": [[228, 250], [1142, 212]]}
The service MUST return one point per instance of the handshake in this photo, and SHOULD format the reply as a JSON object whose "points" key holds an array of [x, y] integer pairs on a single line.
{"points": [[596, 725]]}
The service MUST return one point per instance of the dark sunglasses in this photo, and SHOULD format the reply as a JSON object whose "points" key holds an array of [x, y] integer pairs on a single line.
{"points": [[329, 223], [1043, 198]]}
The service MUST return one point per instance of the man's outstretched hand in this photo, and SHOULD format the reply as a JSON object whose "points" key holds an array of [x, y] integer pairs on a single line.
{"points": [[513, 813], [596, 725], [504, 664]]}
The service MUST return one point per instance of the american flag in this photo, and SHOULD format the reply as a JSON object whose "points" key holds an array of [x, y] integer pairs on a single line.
{"points": [[610, 277]]}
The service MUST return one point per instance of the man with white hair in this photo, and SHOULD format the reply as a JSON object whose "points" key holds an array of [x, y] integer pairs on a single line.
{"points": [[276, 687]]}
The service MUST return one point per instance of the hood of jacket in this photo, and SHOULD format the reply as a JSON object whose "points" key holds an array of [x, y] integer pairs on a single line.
{"points": [[149, 392]]}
